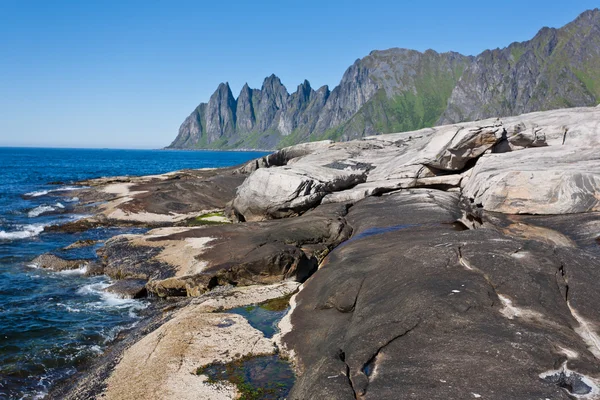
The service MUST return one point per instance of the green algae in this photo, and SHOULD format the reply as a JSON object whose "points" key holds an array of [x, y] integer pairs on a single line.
{"points": [[255, 377]]}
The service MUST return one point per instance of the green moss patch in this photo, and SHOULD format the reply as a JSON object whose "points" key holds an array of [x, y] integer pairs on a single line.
{"points": [[205, 220]]}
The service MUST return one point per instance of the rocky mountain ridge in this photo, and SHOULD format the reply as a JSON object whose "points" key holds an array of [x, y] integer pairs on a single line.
{"points": [[399, 90]]}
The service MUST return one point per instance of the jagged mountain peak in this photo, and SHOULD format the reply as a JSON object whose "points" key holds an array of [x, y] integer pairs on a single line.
{"points": [[400, 89]]}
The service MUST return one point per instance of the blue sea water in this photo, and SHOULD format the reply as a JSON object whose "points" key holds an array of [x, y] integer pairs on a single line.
{"points": [[51, 323]]}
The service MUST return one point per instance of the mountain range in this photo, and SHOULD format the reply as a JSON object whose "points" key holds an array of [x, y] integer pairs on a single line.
{"points": [[399, 90]]}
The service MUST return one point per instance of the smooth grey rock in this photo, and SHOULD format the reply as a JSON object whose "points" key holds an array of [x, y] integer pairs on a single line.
{"points": [[413, 306], [535, 163], [286, 191], [549, 180], [283, 156]]}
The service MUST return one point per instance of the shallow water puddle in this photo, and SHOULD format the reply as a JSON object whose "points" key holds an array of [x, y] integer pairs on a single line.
{"points": [[259, 377], [265, 316]]}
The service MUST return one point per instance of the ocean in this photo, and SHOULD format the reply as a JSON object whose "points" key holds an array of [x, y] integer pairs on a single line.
{"points": [[53, 323]]}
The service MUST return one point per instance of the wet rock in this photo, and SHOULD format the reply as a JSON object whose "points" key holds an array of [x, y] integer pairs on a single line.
{"points": [[128, 288], [123, 260], [81, 243], [94, 268], [78, 226], [55, 263], [409, 300]]}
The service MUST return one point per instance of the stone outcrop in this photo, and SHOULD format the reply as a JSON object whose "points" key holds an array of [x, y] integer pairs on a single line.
{"points": [[190, 261], [55, 263], [410, 300], [128, 288], [287, 191], [550, 180]]}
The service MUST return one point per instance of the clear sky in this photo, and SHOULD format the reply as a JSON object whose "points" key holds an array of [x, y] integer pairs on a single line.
{"points": [[125, 74]]}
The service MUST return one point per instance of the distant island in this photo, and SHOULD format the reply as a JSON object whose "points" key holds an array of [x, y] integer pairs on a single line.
{"points": [[399, 90]]}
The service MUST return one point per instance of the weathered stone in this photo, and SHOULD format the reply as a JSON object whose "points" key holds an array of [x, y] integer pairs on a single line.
{"points": [[163, 364], [287, 191], [128, 288], [188, 261], [452, 147], [55, 263], [409, 300], [550, 180], [283, 156]]}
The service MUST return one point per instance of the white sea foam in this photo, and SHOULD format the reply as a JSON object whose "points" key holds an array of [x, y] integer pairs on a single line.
{"points": [[62, 189], [110, 300], [72, 200], [68, 308], [39, 210], [37, 193], [23, 232], [79, 271], [92, 288]]}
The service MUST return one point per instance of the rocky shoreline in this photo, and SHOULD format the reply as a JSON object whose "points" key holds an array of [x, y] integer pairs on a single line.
{"points": [[452, 262]]}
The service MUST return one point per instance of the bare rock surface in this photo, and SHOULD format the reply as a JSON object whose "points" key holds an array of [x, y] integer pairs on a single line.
{"points": [[160, 200], [128, 288], [459, 261], [189, 261], [549, 180], [538, 163], [287, 191], [163, 364], [410, 300], [283, 156]]}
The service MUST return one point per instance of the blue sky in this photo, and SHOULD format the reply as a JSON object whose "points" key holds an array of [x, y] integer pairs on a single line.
{"points": [[124, 74]]}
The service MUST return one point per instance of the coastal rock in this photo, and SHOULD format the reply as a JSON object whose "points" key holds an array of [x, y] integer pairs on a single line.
{"points": [[411, 299], [163, 364], [549, 180], [453, 147], [55, 263], [81, 243], [128, 288], [286, 191], [189, 261], [283, 156], [170, 198]]}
